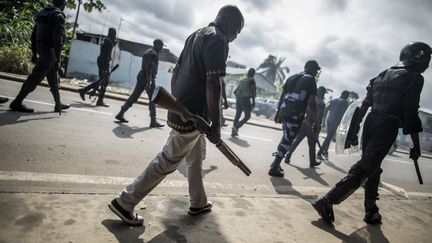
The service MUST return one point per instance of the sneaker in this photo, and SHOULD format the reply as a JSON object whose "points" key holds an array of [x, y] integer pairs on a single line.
{"points": [[324, 209], [130, 218], [315, 163], [320, 156], [62, 106], [373, 218], [195, 211], [20, 107], [121, 118]]}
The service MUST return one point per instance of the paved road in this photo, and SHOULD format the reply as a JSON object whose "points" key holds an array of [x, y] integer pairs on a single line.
{"points": [[85, 141]]}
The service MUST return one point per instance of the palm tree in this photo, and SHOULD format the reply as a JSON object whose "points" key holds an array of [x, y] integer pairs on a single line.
{"points": [[273, 70]]}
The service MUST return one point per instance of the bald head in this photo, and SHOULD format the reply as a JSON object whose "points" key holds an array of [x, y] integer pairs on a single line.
{"points": [[230, 20]]}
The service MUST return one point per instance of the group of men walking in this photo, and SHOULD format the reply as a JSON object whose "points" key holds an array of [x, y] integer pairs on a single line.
{"points": [[196, 84]]}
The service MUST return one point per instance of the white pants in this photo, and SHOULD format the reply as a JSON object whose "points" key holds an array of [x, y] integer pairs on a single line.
{"points": [[188, 146]]}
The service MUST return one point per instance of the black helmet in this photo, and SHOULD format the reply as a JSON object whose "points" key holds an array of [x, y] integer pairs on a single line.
{"points": [[416, 55]]}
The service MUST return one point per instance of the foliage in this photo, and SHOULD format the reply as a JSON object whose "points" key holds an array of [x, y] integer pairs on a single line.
{"points": [[15, 59], [273, 69], [16, 25]]}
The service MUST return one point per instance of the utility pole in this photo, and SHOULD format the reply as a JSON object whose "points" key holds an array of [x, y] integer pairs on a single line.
{"points": [[76, 18]]}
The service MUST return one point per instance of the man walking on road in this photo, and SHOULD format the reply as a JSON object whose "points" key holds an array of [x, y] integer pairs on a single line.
{"points": [[103, 62], [335, 110], [196, 84], [145, 81], [47, 41], [394, 96], [245, 100], [298, 92], [306, 130]]}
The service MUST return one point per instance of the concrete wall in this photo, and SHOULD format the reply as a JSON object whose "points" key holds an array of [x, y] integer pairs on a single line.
{"points": [[82, 64]]}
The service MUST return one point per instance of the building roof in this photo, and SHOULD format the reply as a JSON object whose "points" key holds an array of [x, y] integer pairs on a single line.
{"points": [[137, 49]]}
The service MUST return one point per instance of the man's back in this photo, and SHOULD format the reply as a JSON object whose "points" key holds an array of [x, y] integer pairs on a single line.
{"points": [[337, 108]]}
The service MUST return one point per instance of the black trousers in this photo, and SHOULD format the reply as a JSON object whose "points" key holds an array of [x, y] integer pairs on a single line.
{"points": [[141, 85], [305, 131], [331, 131], [242, 105], [102, 82], [379, 133], [41, 70]]}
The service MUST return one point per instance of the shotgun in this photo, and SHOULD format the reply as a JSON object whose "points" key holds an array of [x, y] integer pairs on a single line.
{"points": [[165, 100]]}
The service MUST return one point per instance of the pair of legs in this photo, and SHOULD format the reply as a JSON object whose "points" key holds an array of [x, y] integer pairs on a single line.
{"points": [[291, 127], [331, 131], [379, 133], [189, 147], [43, 68], [102, 83], [305, 131], [243, 105], [141, 85]]}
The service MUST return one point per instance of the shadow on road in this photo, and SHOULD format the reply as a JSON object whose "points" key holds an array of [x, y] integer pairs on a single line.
{"points": [[13, 117], [332, 165], [240, 142], [125, 131], [123, 232], [183, 169], [284, 186], [312, 174], [186, 228], [368, 233]]}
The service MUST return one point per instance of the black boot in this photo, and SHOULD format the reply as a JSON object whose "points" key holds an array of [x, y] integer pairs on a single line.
{"points": [[324, 208], [155, 124], [120, 117], [82, 93], [61, 106], [275, 169], [18, 106], [3, 100], [372, 215], [314, 163], [101, 97]]}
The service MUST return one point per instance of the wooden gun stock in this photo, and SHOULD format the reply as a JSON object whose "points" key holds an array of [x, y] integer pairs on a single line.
{"points": [[165, 100]]}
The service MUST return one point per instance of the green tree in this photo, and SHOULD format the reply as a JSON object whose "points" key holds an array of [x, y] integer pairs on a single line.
{"points": [[273, 69], [16, 25]]}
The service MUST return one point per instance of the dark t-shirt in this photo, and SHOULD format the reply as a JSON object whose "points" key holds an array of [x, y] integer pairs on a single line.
{"points": [[204, 54], [150, 62], [297, 90], [396, 92], [104, 57]]}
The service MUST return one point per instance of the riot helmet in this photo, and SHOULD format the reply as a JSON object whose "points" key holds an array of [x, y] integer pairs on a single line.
{"points": [[415, 55]]}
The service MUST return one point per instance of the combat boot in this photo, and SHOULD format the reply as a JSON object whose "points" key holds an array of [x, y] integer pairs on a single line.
{"points": [[275, 169], [61, 106], [234, 132], [155, 124], [325, 209], [314, 163], [18, 106], [120, 117], [372, 215], [3, 100]]}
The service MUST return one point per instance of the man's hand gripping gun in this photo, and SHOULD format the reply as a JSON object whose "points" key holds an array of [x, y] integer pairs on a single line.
{"points": [[165, 100]]}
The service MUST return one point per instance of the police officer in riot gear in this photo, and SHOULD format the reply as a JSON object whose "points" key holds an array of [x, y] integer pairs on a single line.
{"points": [[145, 81], [47, 40], [394, 96], [103, 62]]}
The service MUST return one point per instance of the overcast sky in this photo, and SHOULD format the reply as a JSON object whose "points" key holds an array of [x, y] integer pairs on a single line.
{"points": [[352, 40]]}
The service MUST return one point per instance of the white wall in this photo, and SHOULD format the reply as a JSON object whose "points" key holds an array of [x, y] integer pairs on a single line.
{"points": [[82, 64]]}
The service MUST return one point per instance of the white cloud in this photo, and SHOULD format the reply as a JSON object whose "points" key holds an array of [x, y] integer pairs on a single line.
{"points": [[353, 40]]}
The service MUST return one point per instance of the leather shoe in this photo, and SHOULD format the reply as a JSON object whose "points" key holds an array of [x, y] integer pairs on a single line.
{"points": [[121, 118], [156, 124], [324, 209], [82, 94], [20, 107], [62, 106], [102, 104], [313, 164]]}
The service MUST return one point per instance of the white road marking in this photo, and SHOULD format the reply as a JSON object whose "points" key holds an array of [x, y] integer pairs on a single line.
{"points": [[251, 137], [399, 161], [72, 108]]}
